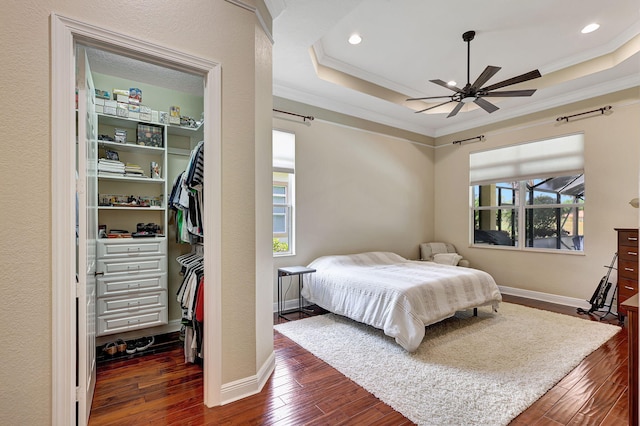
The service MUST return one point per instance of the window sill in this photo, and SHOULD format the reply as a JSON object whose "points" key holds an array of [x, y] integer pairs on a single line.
{"points": [[528, 249], [283, 254]]}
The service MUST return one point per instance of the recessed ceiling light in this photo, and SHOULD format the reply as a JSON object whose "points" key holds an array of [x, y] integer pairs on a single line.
{"points": [[590, 28], [355, 39], [451, 83]]}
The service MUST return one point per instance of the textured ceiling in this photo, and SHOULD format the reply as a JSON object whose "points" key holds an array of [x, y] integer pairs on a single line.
{"points": [[108, 63]]}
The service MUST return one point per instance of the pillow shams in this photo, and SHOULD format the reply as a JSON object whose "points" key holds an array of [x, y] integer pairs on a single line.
{"points": [[447, 258]]}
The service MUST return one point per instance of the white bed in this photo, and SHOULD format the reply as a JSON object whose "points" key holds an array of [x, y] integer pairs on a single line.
{"points": [[397, 295]]}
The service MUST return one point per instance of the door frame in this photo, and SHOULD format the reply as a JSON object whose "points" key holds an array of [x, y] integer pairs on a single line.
{"points": [[64, 33]]}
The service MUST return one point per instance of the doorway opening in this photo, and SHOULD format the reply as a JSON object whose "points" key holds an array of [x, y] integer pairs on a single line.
{"points": [[72, 340]]}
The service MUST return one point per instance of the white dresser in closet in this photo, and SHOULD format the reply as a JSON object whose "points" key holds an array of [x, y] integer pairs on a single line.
{"points": [[132, 284]]}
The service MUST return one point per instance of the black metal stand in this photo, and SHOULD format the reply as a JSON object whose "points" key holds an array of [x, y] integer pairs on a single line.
{"points": [[300, 271]]}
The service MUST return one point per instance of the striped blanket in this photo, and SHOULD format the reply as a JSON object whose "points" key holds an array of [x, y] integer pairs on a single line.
{"points": [[397, 295]]}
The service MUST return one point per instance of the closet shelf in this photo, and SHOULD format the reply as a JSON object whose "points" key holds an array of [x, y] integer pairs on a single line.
{"points": [[155, 208], [130, 179], [131, 147]]}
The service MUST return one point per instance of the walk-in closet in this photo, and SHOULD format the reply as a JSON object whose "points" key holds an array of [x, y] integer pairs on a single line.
{"points": [[141, 130]]}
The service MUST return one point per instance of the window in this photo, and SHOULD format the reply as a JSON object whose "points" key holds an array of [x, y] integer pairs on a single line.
{"points": [[530, 196], [283, 192]]}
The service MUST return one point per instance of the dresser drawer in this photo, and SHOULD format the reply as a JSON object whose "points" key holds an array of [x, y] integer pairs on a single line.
{"points": [[628, 269], [628, 238], [628, 253], [119, 285], [132, 266], [126, 247], [118, 323], [131, 303], [627, 286], [626, 289]]}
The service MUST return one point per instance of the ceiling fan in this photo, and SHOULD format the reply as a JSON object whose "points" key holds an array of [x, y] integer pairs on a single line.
{"points": [[475, 92]]}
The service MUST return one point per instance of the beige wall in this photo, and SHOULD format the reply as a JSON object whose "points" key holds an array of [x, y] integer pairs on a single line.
{"points": [[358, 191], [215, 30], [612, 152]]}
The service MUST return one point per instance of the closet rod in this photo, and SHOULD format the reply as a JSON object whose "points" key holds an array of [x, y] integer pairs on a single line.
{"points": [[304, 117], [602, 111]]}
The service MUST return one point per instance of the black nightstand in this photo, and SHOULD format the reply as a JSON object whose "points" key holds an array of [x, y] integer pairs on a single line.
{"points": [[300, 271]]}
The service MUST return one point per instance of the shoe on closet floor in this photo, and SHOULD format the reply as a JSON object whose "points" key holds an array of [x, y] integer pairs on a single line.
{"points": [[131, 347], [110, 349], [121, 345], [143, 343]]}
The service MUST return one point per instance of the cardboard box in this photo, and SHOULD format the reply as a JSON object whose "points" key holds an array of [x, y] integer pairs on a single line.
{"points": [[135, 95], [100, 109], [123, 98], [134, 108], [145, 117], [99, 101], [163, 117], [174, 120], [134, 115], [110, 110], [145, 109], [154, 116], [110, 103]]}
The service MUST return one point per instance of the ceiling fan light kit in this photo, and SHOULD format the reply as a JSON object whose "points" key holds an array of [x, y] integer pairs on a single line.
{"points": [[475, 92]]}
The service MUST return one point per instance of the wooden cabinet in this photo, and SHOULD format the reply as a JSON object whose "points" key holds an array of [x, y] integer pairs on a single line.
{"points": [[627, 266], [631, 307]]}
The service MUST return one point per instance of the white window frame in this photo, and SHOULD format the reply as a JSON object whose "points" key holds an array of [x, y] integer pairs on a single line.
{"points": [[284, 175], [554, 157]]}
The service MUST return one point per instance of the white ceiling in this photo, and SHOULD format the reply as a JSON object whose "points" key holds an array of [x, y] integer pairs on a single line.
{"points": [[406, 43]]}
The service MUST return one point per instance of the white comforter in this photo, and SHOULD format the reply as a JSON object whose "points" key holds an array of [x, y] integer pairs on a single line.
{"points": [[397, 295]]}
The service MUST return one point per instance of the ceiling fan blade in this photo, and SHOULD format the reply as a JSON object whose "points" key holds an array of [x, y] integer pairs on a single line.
{"points": [[436, 106], [456, 109], [429, 97], [509, 93], [486, 105], [486, 75], [515, 80], [444, 84]]}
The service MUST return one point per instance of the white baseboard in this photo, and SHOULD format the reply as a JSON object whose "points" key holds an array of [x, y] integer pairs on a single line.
{"points": [[290, 304], [551, 298], [248, 386]]}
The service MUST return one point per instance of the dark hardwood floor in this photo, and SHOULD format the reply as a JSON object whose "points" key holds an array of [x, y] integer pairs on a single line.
{"points": [[160, 389]]}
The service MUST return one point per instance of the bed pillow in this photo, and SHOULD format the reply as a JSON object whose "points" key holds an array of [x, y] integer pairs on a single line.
{"points": [[447, 258]]}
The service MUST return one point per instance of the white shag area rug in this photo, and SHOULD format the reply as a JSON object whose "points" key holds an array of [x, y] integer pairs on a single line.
{"points": [[468, 370]]}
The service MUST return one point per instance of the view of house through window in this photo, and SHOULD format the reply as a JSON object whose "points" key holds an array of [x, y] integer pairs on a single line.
{"points": [[530, 196], [283, 192]]}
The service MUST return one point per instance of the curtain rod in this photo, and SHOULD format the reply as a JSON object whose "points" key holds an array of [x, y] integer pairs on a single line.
{"points": [[602, 111], [480, 139], [304, 117]]}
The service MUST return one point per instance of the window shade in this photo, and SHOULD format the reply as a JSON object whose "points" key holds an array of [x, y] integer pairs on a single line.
{"points": [[547, 158], [284, 152]]}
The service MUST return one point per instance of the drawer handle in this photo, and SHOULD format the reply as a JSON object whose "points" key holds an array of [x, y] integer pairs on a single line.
{"points": [[134, 285], [629, 288], [629, 269], [133, 321], [632, 238], [137, 267], [130, 249], [632, 253], [136, 303]]}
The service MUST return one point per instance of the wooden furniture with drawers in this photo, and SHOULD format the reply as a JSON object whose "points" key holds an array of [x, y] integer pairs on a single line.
{"points": [[627, 266], [631, 307]]}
